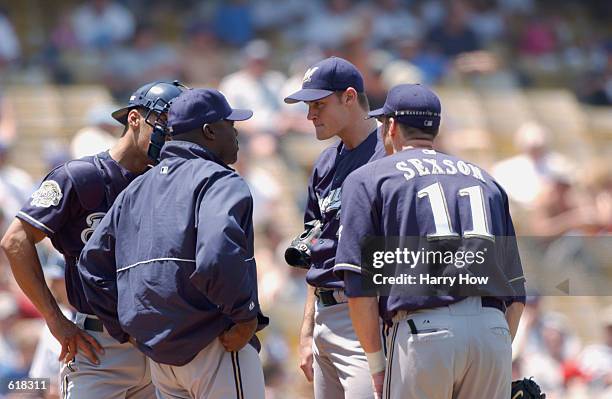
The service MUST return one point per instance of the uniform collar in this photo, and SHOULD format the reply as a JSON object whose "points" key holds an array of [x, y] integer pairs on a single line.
{"points": [[342, 150], [188, 150]]}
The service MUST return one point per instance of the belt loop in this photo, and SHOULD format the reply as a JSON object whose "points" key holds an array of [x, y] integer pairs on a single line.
{"points": [[413, 329]]}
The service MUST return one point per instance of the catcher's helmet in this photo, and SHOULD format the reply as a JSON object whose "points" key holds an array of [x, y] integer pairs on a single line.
{"points": [[155, 97]]}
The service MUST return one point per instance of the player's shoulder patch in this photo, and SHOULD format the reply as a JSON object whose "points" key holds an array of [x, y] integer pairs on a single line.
{"points": [[48, 194]]}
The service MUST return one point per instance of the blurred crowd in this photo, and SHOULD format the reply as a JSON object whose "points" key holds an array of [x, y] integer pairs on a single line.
{"points": [[122, 43], [256, 52], [548, 348]]}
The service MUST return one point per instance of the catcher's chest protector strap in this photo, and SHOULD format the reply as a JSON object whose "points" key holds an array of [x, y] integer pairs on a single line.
{"points": [[88, 182]]}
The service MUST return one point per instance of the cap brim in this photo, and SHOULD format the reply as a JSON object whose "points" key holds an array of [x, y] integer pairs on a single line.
{"points": [[376, 113], [307, 95], [121, 115], [239, 115]]}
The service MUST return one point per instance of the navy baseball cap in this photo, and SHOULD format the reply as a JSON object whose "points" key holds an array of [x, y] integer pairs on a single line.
{"points": [[197, 107], [411, 104], [154, 96], [325, 77]]}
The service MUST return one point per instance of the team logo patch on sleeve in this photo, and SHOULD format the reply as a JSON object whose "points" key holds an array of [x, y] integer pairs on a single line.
{"points": [[48, 194]]}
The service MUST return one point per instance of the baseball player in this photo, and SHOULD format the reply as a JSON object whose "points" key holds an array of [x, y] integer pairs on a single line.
{"points": [[171, 266], [330, 353], [439, 346], [67, 207]]}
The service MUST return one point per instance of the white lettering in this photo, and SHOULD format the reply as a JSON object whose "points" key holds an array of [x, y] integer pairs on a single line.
{"points": [[402, 279], [451, 170], [463, 168], [403, 167], [423, 171], [440, 280], [477, 173], [377, 259], [389, 257], [435, 169], [472, 280]]}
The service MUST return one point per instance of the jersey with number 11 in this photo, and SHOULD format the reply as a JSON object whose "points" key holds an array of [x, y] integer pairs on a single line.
{"points": [[428, 195]]}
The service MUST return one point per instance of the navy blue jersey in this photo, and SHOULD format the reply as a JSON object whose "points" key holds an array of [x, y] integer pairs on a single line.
{"points": [[324, 198], [69, 204], [172, 264], [422, 193]]}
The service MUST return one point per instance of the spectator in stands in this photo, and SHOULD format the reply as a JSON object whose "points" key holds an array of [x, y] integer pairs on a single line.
{"points": [[23, 334], [377, 61], [275, 355], [597, 185], [556, 210], [548, 362], [391, 19], [454, 36], [55, 152], [530, 334], [423, 60], [8, 351], [273, 15], [595, 361], [523, 176], [257, 87], [147, 58], [580, 209], [102, 24], [596, 86], [487, 21], [431, 12], [99, 135], [8, 124], [10, 49], [538, 37], [15, 185], [204, 60], [45, 363], [521, 7], [331, 25], [234, 22]]}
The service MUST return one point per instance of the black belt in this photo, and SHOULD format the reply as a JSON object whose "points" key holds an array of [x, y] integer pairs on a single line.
{"points": [[486, 301], [491, 302], [92, 324], [326, 297]]}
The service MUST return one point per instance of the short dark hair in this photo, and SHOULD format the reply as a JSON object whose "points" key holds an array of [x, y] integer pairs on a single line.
{"points": [[410, 132], [362, 99]]}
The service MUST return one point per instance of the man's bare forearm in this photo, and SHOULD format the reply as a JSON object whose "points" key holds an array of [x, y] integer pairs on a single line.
{"points": [[19, 245], [513, 316], [309, 311], [364, 315]]}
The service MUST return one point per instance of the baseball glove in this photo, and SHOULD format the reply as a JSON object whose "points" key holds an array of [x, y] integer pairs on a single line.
{"points": [[526, 389]]}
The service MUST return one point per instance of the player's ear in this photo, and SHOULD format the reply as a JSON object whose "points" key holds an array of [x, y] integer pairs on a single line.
{"points": [[350, 95], [133, 118], [393, 128], [208, 132]]}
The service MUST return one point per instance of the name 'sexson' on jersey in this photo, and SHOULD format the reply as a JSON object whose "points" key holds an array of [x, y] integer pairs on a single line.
{"points": [[429, 166]]}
